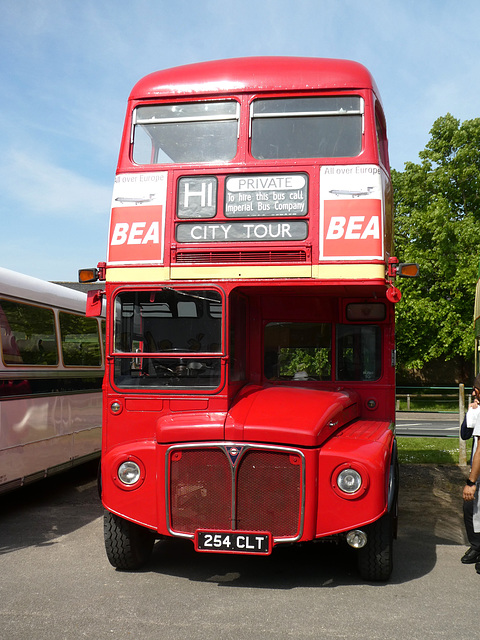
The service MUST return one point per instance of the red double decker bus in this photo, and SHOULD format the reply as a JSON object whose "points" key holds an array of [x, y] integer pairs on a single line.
{"points": [[250, 371]]}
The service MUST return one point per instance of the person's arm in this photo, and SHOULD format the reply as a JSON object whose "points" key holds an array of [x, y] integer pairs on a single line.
{"points": [[469, 491]]}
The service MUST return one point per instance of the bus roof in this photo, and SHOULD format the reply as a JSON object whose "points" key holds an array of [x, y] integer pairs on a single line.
{"points": [[242, 75], [27, 288]]}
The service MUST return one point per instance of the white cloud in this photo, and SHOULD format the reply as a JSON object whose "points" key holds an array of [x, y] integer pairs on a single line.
{"points": [[41, 187]]}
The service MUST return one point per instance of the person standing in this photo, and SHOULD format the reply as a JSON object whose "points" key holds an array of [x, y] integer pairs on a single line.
{"points": [[471, 494]]}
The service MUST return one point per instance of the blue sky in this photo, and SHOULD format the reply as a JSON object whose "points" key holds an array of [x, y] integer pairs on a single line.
{"points": [[68, 67]]}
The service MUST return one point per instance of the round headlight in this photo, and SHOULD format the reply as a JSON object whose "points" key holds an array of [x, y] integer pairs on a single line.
{"points": [[349, 481], [129, 472]]}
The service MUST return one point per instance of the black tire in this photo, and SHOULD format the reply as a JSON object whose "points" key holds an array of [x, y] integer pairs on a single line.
{"points": [[128, 545], [375, 560], [99, 479], [394, 482]]}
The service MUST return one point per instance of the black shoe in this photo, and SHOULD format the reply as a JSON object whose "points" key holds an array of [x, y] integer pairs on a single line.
{"points": [[472, 556], [477, 567]]}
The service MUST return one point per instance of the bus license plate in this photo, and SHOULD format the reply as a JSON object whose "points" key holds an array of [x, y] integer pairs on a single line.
{"points": [[251, 542]]}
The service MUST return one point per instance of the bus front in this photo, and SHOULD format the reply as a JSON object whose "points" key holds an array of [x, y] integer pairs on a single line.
{"points": [[249, 391]]}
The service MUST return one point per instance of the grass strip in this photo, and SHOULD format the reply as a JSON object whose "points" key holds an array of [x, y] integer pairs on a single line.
{"points": [[429, 450]]}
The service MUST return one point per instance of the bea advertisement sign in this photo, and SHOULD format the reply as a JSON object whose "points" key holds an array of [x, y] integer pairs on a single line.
{"points": [[351, 213], [137, 221]]}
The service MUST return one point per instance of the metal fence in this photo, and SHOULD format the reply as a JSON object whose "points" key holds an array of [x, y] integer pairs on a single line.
{"points": [[442, 399]]}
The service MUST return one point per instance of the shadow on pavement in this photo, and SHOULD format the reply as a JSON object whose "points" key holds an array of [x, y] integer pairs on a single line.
{"points": [[52, 507], [430, 515]]}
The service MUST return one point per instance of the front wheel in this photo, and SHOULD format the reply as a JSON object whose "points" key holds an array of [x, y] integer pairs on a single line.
{"points": [[128, 545], [375, 560]]}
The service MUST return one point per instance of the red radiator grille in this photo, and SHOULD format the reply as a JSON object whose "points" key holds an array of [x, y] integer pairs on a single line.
{"points": [[264, 495], [200, 490], [240, 257], [268, 493]]}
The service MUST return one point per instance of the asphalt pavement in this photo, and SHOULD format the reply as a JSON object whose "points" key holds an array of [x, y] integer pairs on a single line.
{"points": [[58, 585], [427, 424]]}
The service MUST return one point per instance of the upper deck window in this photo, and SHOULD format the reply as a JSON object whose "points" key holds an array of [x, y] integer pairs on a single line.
{"points": [[313, 127], [381, 140], [184, 133]]}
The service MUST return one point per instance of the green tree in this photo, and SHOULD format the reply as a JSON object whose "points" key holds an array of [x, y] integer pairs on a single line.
{"points": [[437, 225]]}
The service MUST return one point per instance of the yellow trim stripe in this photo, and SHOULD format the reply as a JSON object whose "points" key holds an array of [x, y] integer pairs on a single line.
{"points": [[138, 274], [348, 271], [241, 272], [318, 272]]}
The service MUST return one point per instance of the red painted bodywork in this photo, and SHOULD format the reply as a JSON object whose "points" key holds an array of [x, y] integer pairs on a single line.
{"points": [[255, 74], [327, 423], [291, 416]]}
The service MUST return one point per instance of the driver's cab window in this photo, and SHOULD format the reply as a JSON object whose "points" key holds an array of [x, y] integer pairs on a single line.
{"points": [[302, 351], [358, 352], [298, 351]]}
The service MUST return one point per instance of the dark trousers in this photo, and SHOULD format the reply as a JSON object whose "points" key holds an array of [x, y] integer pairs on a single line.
{"points": [[473, 538]]}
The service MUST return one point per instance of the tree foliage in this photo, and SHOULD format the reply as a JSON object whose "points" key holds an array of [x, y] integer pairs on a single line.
{"points": [[437, 225]]}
